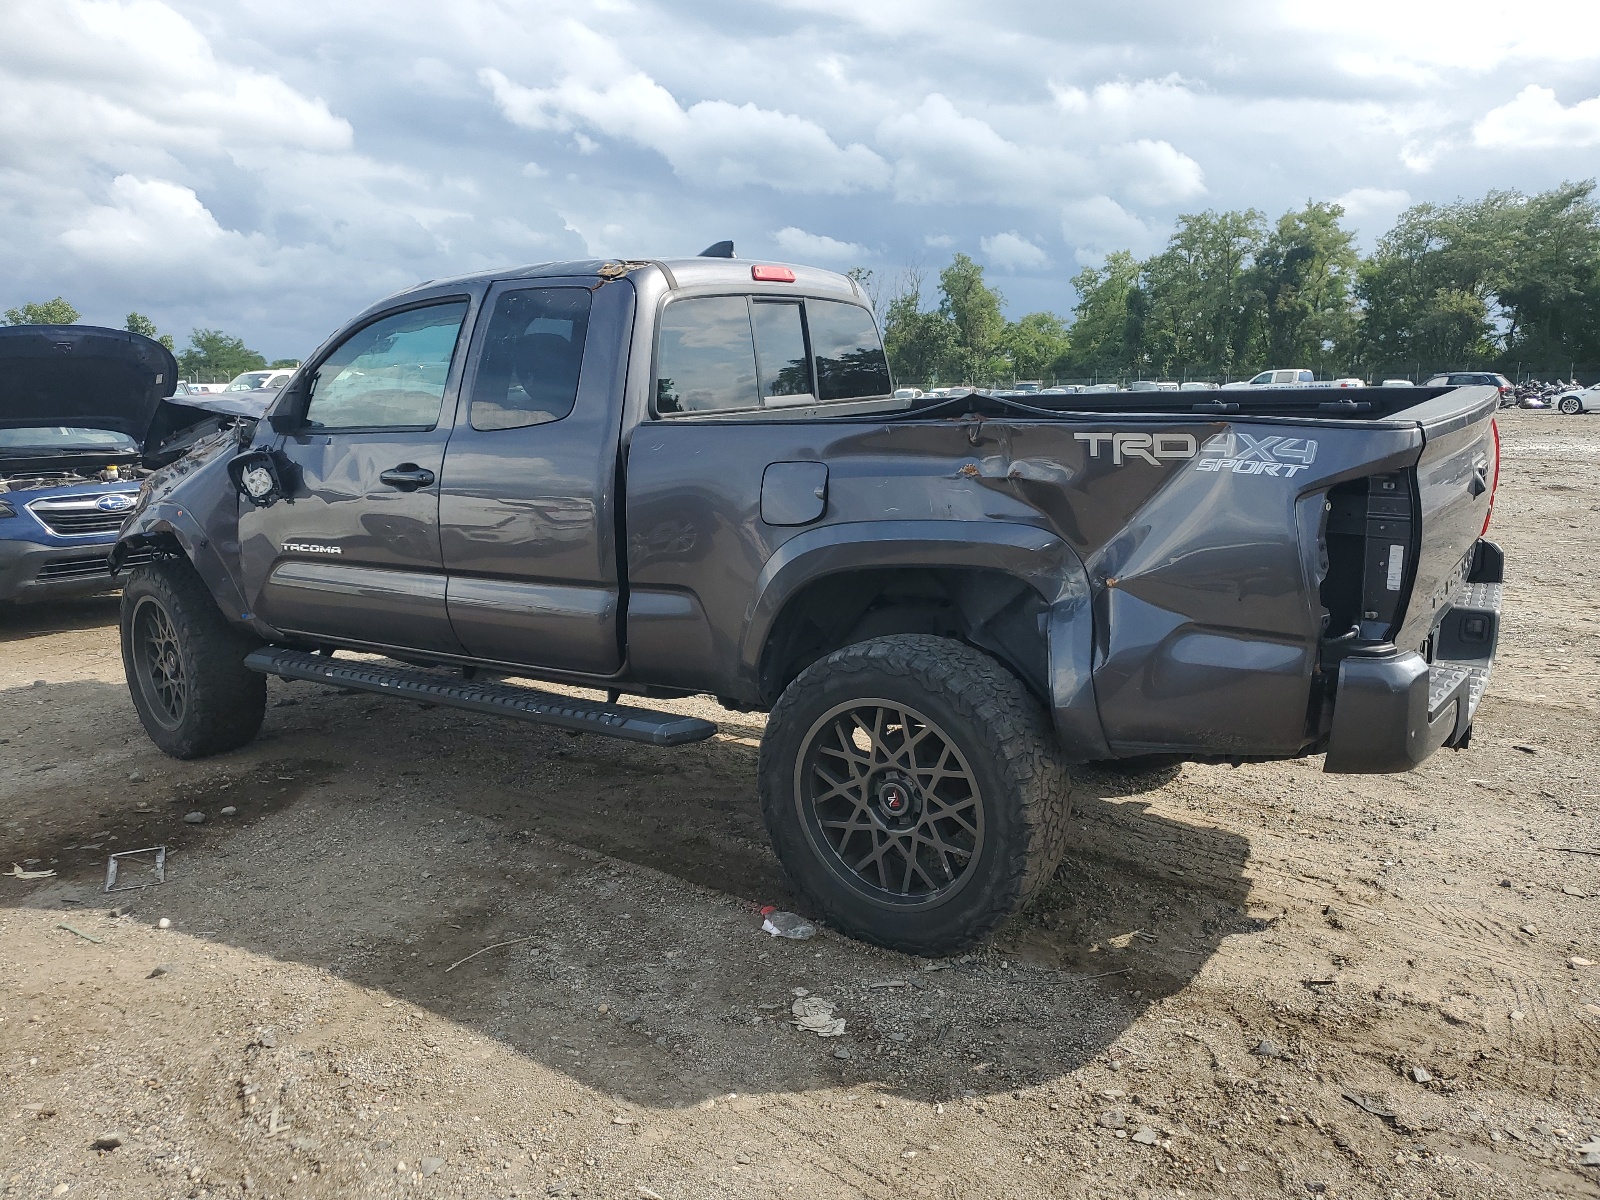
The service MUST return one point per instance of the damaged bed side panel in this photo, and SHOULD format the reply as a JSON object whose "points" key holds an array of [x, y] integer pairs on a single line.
{"points": [[1180, 593]]}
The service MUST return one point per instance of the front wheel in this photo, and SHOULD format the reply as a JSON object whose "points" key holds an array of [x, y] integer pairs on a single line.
{"points": [[185, 664], [914, 792], [1570, 405]]}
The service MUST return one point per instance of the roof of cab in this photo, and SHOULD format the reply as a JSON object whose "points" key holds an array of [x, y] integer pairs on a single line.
{"points": [[681, 273]]}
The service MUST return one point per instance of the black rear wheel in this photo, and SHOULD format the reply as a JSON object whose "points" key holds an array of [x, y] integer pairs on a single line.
{"points": [[185, 664], [913, 791]]}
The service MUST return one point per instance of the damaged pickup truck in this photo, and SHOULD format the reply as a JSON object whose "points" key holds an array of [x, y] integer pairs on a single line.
{"points": [[676, 477]]}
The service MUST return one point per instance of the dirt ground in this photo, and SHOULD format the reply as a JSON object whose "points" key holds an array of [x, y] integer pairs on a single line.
{"points": [[418, 952]]}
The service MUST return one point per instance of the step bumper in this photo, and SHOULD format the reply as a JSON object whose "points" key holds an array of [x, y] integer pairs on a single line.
{"points": [[1393, 710]]}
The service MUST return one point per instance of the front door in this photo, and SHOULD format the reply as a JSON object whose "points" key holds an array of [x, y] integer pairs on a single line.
{"points": [[354, 554], [528, 505]]}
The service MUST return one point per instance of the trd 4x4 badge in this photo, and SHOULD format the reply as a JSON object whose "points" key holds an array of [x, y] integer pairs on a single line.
{"points": [[1240, 453], [1281, 457]]}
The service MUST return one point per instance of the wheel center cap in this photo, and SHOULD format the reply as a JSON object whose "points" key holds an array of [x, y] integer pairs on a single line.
{"points": [[895, 798]]}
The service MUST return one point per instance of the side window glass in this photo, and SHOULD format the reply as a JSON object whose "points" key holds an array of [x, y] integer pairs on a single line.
{"points": [[389, 373], [706, 357], [781, 353], [1264, 377], [849, 353], [532, 354]]}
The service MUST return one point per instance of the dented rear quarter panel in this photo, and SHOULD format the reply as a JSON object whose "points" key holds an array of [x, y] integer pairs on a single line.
{"points": [[1186, 564]]}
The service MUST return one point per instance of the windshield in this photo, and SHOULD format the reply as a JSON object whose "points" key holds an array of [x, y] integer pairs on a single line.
{"points": [[64, 439], [249, 381]]}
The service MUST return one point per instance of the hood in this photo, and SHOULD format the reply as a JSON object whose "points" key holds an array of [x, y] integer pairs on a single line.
{"points": [[82, 375]]}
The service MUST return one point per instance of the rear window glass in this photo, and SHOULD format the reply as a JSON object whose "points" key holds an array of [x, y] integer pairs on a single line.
{"points": [[706, 357], [532, 355], [781, 352], [849, 354]]}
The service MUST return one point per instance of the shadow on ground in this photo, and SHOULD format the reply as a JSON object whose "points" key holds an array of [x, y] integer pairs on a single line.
{"points": [[386, 842], [56, 616]]}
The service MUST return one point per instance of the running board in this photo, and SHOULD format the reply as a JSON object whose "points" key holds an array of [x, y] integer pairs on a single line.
{"points": [[500, 699]]}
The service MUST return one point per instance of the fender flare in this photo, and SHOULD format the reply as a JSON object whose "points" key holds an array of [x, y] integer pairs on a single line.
{"points": [[164, 523], [1032, 555]]}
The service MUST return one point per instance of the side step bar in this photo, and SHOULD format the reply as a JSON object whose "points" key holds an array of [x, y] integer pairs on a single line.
{"points": [[500, 699]]}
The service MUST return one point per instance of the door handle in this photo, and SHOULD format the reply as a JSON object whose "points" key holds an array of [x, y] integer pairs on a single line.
{"points": [[408, 477]]}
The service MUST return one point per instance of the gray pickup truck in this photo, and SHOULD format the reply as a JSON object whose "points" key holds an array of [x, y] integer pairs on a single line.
{"points": [[666, 478]]}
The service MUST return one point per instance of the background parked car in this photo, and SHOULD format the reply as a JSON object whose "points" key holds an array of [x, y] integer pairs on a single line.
{"points": [[255, 381], [1397, 383], [1472, 379], [1580, 401]]}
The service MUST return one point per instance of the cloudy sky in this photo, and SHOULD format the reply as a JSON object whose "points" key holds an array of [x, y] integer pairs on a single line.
{"points": [[270, 166]]}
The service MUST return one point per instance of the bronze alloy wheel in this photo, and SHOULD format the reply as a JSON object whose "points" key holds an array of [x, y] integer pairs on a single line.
{"points": [[890, 803], [158, 663]]}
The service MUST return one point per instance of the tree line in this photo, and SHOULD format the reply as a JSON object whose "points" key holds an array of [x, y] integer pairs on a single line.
{"points": [[1508, 282], [211, 356]]}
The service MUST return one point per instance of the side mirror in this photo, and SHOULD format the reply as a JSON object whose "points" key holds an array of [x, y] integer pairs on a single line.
{"points": [[259, 476]]}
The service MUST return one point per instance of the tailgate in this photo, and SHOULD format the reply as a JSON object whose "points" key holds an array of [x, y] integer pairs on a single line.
{"points": [[1454, 481]]}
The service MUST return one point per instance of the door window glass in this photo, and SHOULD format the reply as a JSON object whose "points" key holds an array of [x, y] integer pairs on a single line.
{"points": [[849, 353], [781, 353], [706, 358], [532, 355], [389, 373]]}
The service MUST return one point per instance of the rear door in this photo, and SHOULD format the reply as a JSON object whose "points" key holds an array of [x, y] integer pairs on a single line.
{"points": [[355, 555], [528, 506]]}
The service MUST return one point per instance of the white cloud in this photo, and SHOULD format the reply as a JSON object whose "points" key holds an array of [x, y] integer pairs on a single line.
{"points": [[1365, 202], [816, 247], [1013, 252], [942, 155], [161, 227], [82, 74], [711, 141], [1154, 172], [1536, 120], [938, 241], [1099, 221]]}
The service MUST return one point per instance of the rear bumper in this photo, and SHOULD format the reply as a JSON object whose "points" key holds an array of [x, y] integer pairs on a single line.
{"points": [[1393, 708], [36, 571]]}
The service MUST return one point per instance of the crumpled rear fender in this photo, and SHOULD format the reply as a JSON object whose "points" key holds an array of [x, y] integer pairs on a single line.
{"points": [[1028, 553]]}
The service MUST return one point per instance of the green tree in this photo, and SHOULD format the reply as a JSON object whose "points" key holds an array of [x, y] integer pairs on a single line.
{"points": [[138, 323], [1306, 275], [1037, 345], [920, 344], [1204, 299], [973, 309], [214, 357], [1549, 292], [1102, 340], [284, 363], [51, 312], [1428, 289]]}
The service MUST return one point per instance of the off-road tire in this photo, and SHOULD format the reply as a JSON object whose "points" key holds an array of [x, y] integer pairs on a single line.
{"points": [[1570, 406], [1011, 757], [219, 702]]}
